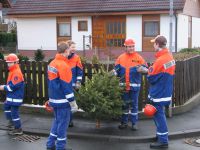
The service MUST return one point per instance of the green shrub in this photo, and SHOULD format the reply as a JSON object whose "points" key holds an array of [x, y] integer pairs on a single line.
{"points": [[1, 56], [83, 59], [190, 50], [95, 59], [6, 38], [22, 58], [39, 55], [100, 97], [186, 53]]}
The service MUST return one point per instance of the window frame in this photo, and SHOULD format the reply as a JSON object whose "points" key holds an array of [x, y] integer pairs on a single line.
{"points": [[79, 25], [158, 28], [58, 29]]}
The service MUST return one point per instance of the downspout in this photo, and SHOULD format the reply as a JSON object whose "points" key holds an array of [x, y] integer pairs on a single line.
{"points": [[176, 31]]}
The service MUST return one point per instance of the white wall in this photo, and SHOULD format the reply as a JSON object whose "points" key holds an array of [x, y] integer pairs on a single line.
{"points": [[77, 36], [165, 29], [182, 36], [134, 29], [195, 32], [37, 33], [1, 13]]}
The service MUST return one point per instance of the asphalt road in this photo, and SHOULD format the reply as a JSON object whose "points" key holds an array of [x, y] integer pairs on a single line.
{"points": [[8, 143]]}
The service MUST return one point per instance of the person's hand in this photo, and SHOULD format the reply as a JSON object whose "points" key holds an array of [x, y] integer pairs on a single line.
{"points": [[78, 85], [113, 72], [74, 106], [142, 69], [2, 87]]}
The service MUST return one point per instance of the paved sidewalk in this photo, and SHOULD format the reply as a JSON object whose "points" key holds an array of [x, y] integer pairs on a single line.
{"points": [[184, 125]]}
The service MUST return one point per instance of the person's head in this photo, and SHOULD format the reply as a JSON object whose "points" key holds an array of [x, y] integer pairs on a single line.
{"points": [[11, 59], [72, 46], [129, 45], [160, 42], [63, 48]]}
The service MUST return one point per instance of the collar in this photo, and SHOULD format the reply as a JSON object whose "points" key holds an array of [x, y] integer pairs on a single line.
{"points": [[60, 57], [161, 52], [71, 55], [15, 66]]}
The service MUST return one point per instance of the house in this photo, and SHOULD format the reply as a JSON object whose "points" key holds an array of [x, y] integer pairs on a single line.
{"points": [[103, 25], [7, 24], [3, 4]]}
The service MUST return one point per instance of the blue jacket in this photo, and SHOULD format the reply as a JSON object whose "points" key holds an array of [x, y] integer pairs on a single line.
{"points": [[160, 77], [59, 82], [126, 68], [15, 86]]}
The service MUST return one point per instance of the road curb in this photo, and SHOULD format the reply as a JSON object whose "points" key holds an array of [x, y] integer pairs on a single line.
{"points": [[116, 138]]}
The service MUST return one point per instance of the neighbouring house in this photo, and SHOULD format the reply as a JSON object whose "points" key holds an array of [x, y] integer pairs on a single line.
{"points": [[103, 25], [4, 4]]}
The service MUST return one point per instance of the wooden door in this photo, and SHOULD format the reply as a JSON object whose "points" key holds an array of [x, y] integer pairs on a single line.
{"points": [[108, 31], [150, 29]]}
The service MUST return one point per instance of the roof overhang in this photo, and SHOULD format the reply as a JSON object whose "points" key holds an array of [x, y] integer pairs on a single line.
{"points": [[5, 3], [89, 14]]}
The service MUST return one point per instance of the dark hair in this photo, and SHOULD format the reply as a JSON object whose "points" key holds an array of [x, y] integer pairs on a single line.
{"points": [[161, 41], [62, 47]]}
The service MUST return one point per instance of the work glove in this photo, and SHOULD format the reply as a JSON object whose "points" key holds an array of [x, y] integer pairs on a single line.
{"points": [[2, 87], [77, 85], [74, 106], [142, 69], [113, 72]]}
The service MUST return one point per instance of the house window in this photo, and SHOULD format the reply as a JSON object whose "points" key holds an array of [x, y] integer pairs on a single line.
{"points": [[151, 28], [82, 26], [115, 28], [115, 33], [64, 29]]}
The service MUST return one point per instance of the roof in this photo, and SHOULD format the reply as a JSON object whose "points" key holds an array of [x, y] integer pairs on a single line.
{"points": [[5, 3], [26, 7]]}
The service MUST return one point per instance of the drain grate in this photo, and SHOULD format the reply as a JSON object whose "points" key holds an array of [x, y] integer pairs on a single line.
{"points": [[27, 138], [193, 141]]}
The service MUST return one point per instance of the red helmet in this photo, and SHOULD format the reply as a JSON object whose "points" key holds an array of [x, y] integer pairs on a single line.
{"points": [[129, 42], [149, 110], [48, 107], [12, 58]]}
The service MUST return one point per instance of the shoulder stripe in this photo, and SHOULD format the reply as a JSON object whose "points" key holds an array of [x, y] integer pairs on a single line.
{"points": [[52, 69], [169, 64]]}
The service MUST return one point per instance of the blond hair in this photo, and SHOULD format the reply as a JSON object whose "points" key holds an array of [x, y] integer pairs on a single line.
{"points": [[70, 42]]}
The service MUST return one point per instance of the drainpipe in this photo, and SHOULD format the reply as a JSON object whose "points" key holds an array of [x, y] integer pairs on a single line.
{"points": [[176, 31]]}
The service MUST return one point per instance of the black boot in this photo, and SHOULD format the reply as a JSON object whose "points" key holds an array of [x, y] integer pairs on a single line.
{"points": [[10, 125], [52, 148], [158, 145], [16, 132], [123, 126], [71, 124]]}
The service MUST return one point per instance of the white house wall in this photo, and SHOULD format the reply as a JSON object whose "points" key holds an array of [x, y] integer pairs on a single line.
{"points": [[77, 36], [195, 32], [37, 33], [182, 32], [165, 29], [134, 29], [0, 13]]}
